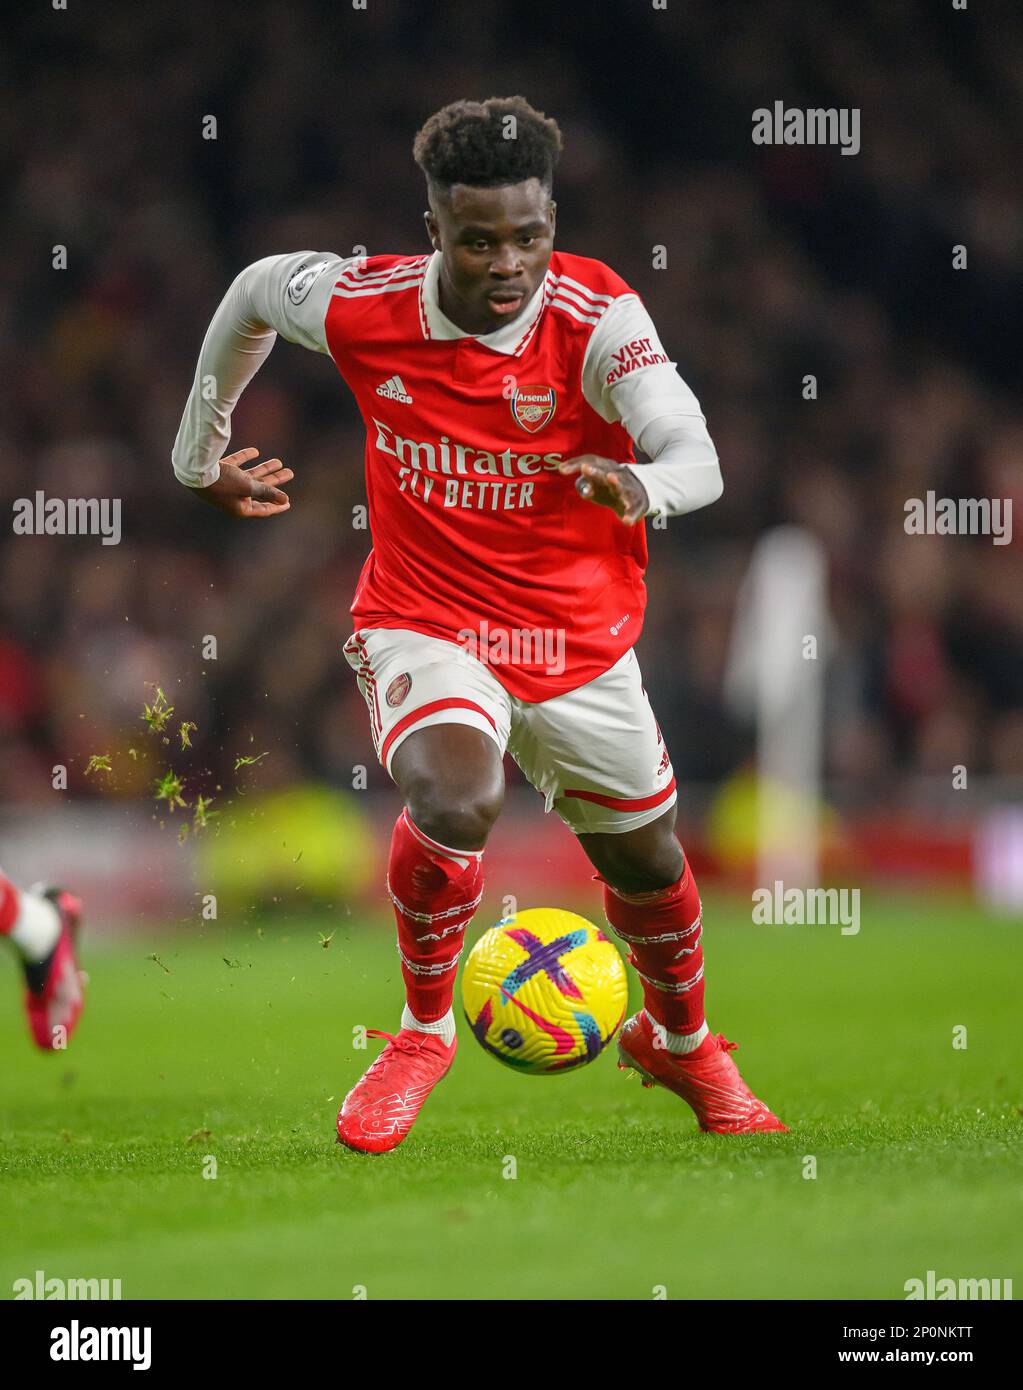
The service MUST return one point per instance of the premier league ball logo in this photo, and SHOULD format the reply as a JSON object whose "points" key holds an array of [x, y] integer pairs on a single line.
{"points": [[533, 406]]}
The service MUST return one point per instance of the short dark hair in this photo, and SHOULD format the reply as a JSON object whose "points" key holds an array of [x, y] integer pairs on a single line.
{"points": [[467, 142]]}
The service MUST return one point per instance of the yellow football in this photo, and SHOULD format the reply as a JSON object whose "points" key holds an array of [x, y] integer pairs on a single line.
{"points": [[544, 991]]}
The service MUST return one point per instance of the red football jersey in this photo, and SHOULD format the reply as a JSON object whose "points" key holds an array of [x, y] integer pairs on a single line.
{"points": [[473, 528]]}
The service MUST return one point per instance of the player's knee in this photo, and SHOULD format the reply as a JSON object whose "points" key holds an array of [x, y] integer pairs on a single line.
{"points": [[457, 815], [452, 779], [643, 878], [640, 865]]}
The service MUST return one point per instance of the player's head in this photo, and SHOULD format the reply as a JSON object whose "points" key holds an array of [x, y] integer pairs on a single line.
{"points": [[489, 169]]}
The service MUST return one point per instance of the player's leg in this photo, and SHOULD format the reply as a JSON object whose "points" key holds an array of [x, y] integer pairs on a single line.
{"points": [[658, 912], [41, 925], [652, 902], [452, 782], [439, 730], [600, 757]]}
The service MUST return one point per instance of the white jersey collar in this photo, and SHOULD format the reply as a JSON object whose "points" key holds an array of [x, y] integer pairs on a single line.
{"points": [[510, 339]]}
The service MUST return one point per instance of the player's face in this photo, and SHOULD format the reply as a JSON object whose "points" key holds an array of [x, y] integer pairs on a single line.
{"points": [[496, 244]]}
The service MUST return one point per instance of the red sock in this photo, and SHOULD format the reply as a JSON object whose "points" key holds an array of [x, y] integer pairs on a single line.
{"points": [[435, 891], [8, 905], [664, 928]]}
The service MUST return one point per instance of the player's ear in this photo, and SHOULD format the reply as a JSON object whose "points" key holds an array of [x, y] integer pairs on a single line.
{"points": [[552, 214], [432, 230]]}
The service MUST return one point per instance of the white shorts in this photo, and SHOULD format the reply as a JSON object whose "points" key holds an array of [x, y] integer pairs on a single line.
{"points": [[596, 753]]}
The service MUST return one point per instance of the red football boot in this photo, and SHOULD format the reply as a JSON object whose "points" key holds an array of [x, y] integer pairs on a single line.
{"points": [[54, 996], [723, 1103], [382, 1107]]}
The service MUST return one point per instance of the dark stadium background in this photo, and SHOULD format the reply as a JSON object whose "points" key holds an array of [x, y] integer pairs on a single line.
{"points": [[781, 261]]}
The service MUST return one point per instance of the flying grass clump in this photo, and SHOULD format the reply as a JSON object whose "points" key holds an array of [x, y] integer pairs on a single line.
{"points": [[169, 788], [158, 714], [246, 760]]}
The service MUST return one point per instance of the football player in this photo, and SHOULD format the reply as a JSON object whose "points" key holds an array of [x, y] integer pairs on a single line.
{"points": [[41, 924], [503, 385]]}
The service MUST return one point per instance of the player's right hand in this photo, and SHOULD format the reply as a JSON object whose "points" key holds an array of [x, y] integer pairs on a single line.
{"points": [[248, 492]]}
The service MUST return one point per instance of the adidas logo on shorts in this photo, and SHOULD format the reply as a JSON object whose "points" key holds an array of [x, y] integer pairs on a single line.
{"points": [[393, 389]]}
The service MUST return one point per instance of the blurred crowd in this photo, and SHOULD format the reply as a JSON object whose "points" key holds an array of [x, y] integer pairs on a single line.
{"points": [[782, 262]]}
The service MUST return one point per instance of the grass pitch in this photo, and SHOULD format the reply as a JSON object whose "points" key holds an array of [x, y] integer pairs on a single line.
{"points": [[239, 1046]]}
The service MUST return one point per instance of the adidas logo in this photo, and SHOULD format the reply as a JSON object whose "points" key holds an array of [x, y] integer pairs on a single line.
{"points": [[393, 389]]}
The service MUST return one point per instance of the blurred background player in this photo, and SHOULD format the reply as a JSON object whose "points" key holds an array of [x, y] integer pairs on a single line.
{"points": [[502, 385], [41, 924]]}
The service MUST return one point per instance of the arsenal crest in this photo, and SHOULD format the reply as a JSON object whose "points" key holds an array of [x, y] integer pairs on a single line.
{"points": [[533, 406], [398, 689]]}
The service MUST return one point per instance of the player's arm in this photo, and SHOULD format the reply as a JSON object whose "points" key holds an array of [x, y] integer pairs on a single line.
{"points": [[659, 412], [286, 295]]}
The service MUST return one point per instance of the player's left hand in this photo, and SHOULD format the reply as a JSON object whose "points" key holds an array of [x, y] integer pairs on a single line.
{"points": [[610, 484]]}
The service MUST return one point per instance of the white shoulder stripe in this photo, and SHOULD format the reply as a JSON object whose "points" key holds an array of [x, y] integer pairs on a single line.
{"points": [[565, 292], [345, 293], [401, 274], [570, 308], [369, 277], [598, 299], [411, 272]]}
